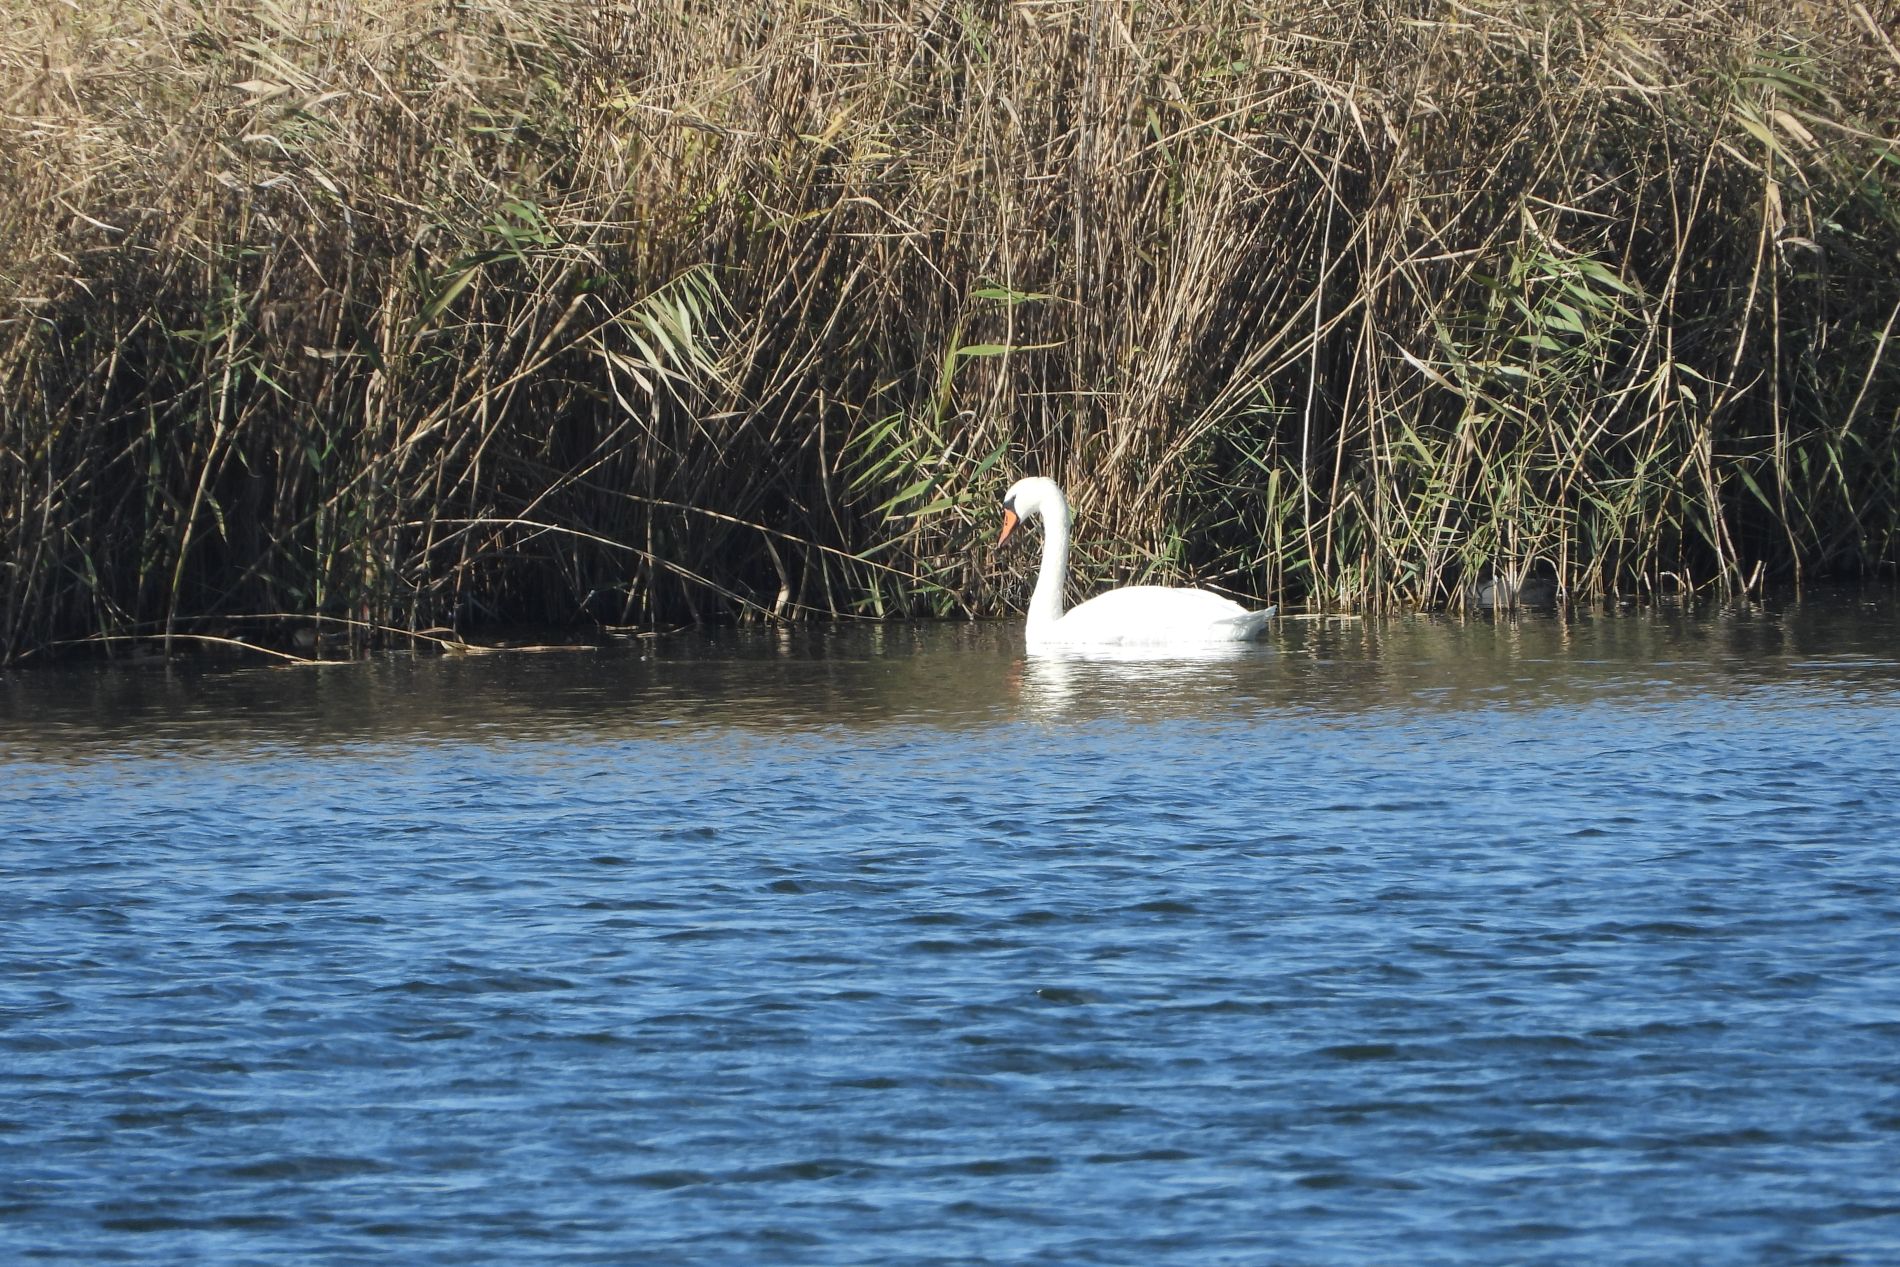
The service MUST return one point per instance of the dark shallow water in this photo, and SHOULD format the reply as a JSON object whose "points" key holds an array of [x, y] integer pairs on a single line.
{"points": [[1416, 941]]}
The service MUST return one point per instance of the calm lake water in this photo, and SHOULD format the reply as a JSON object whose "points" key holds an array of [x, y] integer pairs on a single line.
{"points": [[1416, 941]]}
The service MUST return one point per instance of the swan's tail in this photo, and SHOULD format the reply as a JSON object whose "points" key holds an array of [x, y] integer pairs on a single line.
{"points": [[1250, 625]]}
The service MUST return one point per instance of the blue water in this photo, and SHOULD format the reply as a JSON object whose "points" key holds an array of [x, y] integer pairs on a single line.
{"points": [[1416, 941]]}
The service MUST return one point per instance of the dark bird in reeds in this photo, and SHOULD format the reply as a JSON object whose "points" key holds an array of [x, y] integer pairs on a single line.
{"points": [[1509, 592]]}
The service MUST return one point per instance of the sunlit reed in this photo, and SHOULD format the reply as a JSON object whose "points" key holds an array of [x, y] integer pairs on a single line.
{"points": [[406, 315]]}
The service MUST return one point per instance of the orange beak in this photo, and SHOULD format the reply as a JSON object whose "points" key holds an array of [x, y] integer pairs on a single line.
{"points": [[1009, 525]]}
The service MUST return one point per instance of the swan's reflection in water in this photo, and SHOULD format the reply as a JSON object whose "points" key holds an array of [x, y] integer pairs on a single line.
{"points": [[1139, 681]]}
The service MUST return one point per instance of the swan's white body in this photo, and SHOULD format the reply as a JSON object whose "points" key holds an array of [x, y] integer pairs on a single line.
{"points": [[1134, 616]]}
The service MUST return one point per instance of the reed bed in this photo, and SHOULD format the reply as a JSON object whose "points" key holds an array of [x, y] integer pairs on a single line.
{"points": [[393, 315]]}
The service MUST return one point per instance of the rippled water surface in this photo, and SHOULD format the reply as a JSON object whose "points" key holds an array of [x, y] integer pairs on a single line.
{"points": [[1418, 941]]}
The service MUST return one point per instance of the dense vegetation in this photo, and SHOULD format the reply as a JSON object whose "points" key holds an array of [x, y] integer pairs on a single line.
{"points": [[413, 313]]}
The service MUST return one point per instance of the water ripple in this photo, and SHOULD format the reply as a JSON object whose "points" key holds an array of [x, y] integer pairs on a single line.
{"points": [[1541, 942]]}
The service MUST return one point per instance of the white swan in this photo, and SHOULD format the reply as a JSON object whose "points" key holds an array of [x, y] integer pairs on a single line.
{"points": [[1133, 616]]}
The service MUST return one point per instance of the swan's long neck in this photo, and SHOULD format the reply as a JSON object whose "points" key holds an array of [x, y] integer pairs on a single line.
{"points": [[1045, 605]]}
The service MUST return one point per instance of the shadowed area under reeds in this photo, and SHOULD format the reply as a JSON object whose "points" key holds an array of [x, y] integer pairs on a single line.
{"points": [[407, 315]]}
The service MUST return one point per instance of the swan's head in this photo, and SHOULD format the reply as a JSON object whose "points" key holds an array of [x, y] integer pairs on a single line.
{"points": [[1026, 499]]}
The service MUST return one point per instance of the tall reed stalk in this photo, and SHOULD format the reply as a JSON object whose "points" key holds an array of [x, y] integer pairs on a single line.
{"points": [[399, 313]]}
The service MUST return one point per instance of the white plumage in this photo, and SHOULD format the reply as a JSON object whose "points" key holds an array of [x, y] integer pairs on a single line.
{"points": [[1136, 615]]}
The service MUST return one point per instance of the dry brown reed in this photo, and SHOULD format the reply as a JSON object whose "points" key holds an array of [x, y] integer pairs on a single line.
{"points": [[404, 314]]}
